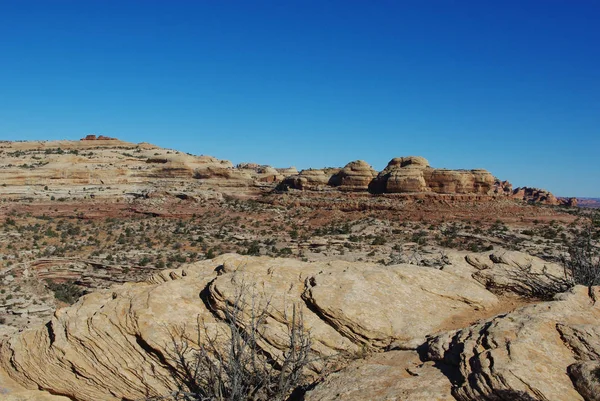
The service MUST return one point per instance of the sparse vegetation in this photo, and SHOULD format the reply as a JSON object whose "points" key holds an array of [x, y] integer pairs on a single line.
{"points": [[67, 292]]}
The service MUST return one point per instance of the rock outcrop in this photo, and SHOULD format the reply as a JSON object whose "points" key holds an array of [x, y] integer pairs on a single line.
{"points": [[93, 137], [74, 167], [517, 273], [355, 176], [547, 351], [535, 195], [312, 179], [94, 161], [402, 174], [536, 352], [115, 344], [394, 375], [413, 175]]}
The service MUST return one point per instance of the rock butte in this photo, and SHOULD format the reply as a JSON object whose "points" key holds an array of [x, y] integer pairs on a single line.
{"points": [[413, 174]]}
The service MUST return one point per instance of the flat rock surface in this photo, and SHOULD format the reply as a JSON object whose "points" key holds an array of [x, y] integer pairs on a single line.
{"points": [[395, 375]]}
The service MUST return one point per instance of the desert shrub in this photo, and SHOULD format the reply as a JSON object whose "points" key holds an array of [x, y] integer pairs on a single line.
{"points": [[208, 369], [285, 251], [67, 292], [253, 249], [582, 265], [210, 254], [420, 237], [379, 240]]}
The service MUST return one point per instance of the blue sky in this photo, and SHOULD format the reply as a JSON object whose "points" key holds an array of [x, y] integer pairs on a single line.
{"points": [[510, 86]]}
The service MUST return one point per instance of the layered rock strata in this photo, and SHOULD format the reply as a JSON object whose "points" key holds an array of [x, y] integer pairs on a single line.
{"points": [[115, 344], [412, 175], [546, 351]]}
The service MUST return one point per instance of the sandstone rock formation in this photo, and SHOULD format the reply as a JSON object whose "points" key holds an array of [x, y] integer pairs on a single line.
{"points": [[527, 352], [547, 351], [100, 161], [402, 174], [355, 176], [312, 179], [410, 174], [394, 375], [73, 167], [535, 195], [517, 273], [114, 344], [413, 175], [93, 137]]}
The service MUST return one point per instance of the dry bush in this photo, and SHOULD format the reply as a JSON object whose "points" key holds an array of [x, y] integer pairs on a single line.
{"points": [[582, 266], [231, 365]]}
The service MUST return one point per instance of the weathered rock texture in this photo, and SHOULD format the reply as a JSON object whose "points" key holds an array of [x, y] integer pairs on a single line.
{"points": [[312, 179], [30, 168], [413, 174], [355, 176], [528, 351], [517, 273], [394, 375], [548, 351], [402, 174], [114, 344]]}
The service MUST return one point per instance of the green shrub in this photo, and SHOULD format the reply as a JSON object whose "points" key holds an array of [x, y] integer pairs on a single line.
{"points": [[67, 292]]}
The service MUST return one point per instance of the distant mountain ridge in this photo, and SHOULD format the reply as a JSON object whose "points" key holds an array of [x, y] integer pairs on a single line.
{"points": [[589, 202], [34, 169]]}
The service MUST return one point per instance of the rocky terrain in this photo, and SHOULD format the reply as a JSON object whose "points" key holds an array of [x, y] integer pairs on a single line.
{"points": [[446, 334], [415, 283]]}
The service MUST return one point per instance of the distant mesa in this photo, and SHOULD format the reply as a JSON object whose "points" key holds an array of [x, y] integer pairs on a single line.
{"points": [[93, 137], [116, 162]]}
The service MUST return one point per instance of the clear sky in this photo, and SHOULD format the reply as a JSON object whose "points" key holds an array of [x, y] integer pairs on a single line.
{"points": [[510, 86]]}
